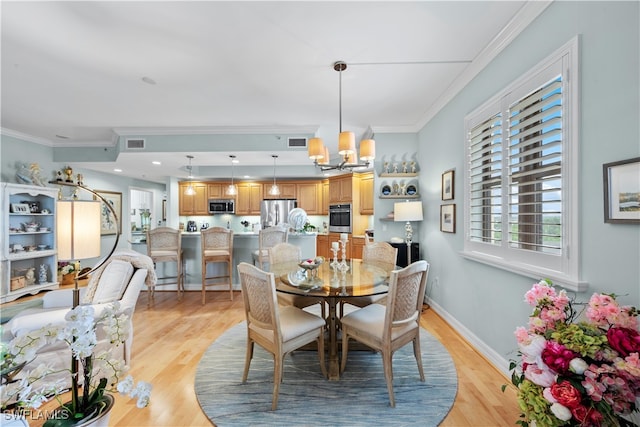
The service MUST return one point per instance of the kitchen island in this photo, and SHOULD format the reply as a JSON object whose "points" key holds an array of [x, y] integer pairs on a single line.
{"points": [[244, 244]]}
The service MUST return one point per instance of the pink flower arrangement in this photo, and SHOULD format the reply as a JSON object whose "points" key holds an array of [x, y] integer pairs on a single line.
{"points": [[577, 370]]}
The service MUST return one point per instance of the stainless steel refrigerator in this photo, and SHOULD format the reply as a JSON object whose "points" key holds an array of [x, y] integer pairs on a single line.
{"points": [[276, 211]]}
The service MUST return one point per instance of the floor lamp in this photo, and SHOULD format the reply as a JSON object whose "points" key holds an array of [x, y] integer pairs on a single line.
{"points": [[78, 237], [408, 211], [78, 230]]}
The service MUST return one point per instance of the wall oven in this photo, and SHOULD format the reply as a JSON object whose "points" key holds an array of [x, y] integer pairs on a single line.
{"points": [[340, 218], [221, 206]]}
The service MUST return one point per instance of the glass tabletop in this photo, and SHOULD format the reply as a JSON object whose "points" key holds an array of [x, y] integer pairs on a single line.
{"points": [[360, 279]]}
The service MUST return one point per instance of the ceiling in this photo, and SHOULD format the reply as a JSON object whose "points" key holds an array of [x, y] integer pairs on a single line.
{"points": [[84, 73]]}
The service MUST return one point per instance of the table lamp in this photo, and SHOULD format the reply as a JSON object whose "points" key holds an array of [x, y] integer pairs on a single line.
{"points": [[408, 211]]}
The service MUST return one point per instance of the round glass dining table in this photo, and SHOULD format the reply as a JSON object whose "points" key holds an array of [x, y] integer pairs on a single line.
{"points": [[333, 285]]}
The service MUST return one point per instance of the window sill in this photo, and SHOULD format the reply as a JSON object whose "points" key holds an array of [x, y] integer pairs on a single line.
{"points": [[534, 272]]}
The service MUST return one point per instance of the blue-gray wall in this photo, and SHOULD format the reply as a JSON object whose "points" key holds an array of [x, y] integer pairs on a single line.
{"points": [[486, 303]]}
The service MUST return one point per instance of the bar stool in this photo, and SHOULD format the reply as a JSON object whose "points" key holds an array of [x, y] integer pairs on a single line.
{"points": [[217, 246], [268, 238], [164, 244]]}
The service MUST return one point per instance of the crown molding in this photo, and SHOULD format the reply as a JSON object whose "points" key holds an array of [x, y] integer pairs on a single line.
{"points": [[23, 136], [525, 16]]}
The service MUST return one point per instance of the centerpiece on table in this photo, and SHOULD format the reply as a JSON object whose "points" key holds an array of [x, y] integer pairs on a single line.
{"points": [[577, 369], [97, 373]]}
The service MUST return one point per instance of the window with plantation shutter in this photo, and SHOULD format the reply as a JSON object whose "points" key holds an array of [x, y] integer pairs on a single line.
{"points": [[521, 174]]}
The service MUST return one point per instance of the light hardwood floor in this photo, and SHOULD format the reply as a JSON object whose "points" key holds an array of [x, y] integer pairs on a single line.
{"points": [[171, 336]]}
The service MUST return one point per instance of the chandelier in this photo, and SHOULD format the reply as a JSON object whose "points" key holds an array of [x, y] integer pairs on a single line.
{"points": [[319, 153]]}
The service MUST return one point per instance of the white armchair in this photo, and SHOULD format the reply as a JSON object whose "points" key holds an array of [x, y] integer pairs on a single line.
{"points": [[120, 279]]}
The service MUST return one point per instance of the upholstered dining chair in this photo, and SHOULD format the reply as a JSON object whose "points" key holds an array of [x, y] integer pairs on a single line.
{"points": [[217, 246], [164, 245], [267, 238], [288, 253], [279, 330], [375, 253], [386, 328]]}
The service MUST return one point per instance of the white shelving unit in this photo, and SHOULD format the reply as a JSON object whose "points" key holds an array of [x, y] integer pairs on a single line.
{"points": [[26, 251]]}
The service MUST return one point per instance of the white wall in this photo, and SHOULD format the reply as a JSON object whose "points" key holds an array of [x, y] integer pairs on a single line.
{"points": [[485, 302]]}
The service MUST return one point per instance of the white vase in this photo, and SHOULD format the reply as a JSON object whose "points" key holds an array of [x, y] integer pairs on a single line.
{"points": [[100, 419]]}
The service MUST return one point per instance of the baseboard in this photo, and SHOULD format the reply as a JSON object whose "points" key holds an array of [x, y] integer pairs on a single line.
{"points": [[494, 358]]}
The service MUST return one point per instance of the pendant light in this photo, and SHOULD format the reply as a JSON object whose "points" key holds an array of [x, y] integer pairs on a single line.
{"points": [[274, 190], [190, 191], [232, 190]]}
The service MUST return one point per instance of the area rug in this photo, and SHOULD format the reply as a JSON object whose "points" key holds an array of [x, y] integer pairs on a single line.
{"points": [[359, 398]]}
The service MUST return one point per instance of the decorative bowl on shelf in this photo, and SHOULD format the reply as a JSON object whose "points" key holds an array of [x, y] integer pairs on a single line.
{"points": [[386, 190], [412, 190]]}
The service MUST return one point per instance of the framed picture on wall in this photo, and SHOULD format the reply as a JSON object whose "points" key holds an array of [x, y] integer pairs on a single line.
{"points": [[108, 224], [622, 191], [448, 218], [447, 185]]}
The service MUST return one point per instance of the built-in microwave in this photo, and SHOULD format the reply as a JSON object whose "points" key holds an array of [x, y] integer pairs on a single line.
{"points": [[222, 206], [340, 218]]}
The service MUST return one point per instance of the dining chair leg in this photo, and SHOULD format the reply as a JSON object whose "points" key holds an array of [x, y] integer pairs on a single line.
{"points": [[204, 286], [418, 356], [345, 350], [247, 360], [388, 375], [277, 378], [230, 272], [179, 283]]}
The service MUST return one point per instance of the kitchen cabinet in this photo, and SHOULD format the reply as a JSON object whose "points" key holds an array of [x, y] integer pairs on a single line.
{"points": [[366, 194], [325, 198], [196, 204], [357, 246], [341, 189], [322, 246], [249, 198], [287, 190], [310, 197], [218, 190], [28, 256]]}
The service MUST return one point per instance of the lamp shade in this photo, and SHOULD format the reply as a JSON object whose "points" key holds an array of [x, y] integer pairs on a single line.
{"points": [[78, 229], [346, 143], [367, 150], [316, 149], [407, 211], [326, 158]]}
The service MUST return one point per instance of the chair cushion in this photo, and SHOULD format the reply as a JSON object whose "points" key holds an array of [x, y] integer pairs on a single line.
{"points": [[216, 252], [113, 281], [293, 323], [156, 252], [371, 320]]}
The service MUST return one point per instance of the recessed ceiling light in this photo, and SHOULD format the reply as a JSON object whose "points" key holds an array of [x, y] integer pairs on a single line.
{"points": [[148, 80], [247, 176], [236, 161], [155, 162], [117, 170]]}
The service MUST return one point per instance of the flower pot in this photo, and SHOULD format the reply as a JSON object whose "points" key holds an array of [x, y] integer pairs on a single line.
{"points": [[97, 418], [67, 279]]}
